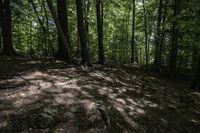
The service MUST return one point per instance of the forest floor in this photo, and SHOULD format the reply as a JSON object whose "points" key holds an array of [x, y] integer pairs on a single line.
{"points": [[50, 96]]}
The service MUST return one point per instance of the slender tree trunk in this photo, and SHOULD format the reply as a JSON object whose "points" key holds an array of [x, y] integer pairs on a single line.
{"points": [[82, 32], [86, 13], [196, 81], [63, 18], [174, 44], [19, 37], [50, 45], [163, 34], [86, 7], [1, 22], [0, 40], [37, 14], [99, 14], [194, 58], [6, 28], [44, 37], [44, 29], [133, 44], [40, 22], [60, 31], [146, 35], [158, 36], [127, 54], [140, 53], [78, 46], [30, 41]]}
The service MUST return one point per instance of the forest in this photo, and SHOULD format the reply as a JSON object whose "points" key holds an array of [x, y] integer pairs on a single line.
{"points": [[99, 66]]}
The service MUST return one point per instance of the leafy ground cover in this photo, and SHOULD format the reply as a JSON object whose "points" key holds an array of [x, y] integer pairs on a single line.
{"points": [[50, 96]]}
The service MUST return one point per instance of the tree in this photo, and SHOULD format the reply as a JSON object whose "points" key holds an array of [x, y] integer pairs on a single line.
{"points": [[146, 35], [86, 4], [40, 22], [82, 32], [1, 22], [195, 52], [174, 44], [133, 44], [60, 31], [63, 18], [157, 61], [50, 45], [196, 81], [163, 34], [99, 14], [116, 28], [6, 30]]}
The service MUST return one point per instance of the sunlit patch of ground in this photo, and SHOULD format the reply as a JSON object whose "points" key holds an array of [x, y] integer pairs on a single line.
{"points": [[48, 96]]}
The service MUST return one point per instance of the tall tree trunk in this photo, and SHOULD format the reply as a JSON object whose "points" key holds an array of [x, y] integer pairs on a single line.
{"points": [[146, 35], [82, 32], [99, 14], [196, 81], [45, 52], [19, 37], [63, 18], [158, 36], [60, 31], [0, 39], [174, 44], [42, 27], [133, 44], [6, 29], [195, 52], [50, 45], [30, 41], [44, 37], [37, 14], [127, 35], [1, 22], [140, 54], [86, 13], [163, 34]]}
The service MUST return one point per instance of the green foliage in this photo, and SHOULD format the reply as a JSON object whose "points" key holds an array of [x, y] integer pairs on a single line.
{"points": [[29, 39]]}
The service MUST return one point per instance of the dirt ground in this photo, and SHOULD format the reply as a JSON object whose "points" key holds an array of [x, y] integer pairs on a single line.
{"points": [[50, 96]]}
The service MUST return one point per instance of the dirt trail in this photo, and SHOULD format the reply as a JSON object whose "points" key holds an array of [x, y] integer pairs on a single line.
{"points": [[48, 96]]}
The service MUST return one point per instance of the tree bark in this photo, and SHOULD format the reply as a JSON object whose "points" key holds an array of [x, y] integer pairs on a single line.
{"points": [[86, 13], [63, 18], [40, 22], [163, 34], [30, 52], [60, 31], [146, 36], [50, 45], [82, 32], [86, 10], [6, 30], [37, 14], [174, 44], [99, 14], [133, 44], [158, 36], [1, 22], [196, 81], [195, 52]]}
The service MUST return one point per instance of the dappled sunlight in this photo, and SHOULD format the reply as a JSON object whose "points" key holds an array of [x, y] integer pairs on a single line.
{"points": [[79, 92]]}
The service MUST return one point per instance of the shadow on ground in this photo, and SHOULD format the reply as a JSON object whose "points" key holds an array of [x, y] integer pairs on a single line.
{"points": [[49, 96]]}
